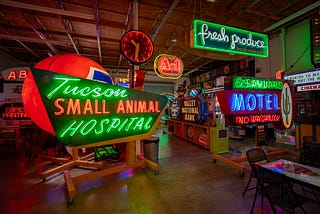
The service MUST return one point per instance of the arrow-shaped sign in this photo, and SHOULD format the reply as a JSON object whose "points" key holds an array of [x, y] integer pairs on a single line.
{"points": [[85, 112]]}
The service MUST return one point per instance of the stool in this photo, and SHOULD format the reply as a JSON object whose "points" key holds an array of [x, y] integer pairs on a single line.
{"points": [[237, 139]]}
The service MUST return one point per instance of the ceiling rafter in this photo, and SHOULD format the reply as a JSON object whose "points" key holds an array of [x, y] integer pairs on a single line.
{"points": [[33, 7], [96, 20], [68, 28]]}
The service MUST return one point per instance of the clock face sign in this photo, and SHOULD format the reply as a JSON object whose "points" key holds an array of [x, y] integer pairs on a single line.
{"points": [[136, 46]]}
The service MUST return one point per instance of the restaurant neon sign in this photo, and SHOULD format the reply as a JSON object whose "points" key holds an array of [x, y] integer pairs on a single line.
{"points": [[216, 37]]}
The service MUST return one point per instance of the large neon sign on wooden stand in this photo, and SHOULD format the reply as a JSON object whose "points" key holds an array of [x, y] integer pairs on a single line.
{"points": [[248, 100], [86, 112]]}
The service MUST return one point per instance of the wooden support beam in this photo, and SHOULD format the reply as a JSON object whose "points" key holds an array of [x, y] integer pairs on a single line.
{"points": [[149, 163], [70, 187], [58, 169]]}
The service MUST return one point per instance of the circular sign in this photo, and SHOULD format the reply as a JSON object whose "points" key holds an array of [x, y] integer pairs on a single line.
{"points": [[136, 46], [168, 66], [70, 64]]}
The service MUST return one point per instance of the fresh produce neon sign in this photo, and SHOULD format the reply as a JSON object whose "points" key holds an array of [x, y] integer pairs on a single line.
{"points": [[211, 36]]}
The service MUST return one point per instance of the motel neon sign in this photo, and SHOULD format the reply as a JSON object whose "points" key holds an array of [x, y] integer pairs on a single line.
{"points": [[248, 100], [84, 112]]}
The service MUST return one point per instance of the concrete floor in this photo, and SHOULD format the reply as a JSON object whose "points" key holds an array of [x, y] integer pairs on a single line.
{"points": [[188, 181]]}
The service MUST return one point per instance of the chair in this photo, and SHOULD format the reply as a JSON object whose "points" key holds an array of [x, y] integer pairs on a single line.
{"points": [[255, 155], [278, 190], [8, 142], [34, 147], [310, 155]]}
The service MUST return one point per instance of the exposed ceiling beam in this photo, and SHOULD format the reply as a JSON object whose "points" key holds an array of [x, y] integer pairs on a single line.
{"points": [[67, 24], [31, 39], [41, 35], [96, 19], [46, 9], [293, 16], [174, 4]]}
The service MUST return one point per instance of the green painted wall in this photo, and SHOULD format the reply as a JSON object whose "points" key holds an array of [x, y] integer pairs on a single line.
{"points": [[297, 46]]}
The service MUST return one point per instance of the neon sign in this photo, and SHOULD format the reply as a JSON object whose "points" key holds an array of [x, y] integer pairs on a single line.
{"points": [[87, 112], [211, 36], [16, 74], [250, 102], [13, 111], [257, 100], [255, 83], [168, 66], [263, 118]]}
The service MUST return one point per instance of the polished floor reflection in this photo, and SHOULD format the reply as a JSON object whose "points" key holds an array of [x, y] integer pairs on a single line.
{"points": [[188, 181]]}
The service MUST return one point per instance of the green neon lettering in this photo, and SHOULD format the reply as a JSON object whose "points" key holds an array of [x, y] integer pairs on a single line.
{"points": [[139, 124], [117, 93], [96, 92], [57, 88], [71, 129], [102, 122], [132, 119], [83, 131], [84, 90], [251, 83], [122, 125], [147, 126], [115, 123]]}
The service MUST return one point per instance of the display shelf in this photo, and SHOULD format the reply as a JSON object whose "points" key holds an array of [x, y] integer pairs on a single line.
{"points": [[195, 133]]}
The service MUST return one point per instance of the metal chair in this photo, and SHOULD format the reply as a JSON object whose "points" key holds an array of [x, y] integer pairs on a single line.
{"points": [[255, 155], [278, 190]]}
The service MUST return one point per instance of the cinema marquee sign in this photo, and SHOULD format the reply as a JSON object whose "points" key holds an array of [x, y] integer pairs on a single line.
{"points": [[84, 112], [248, 100], [215, 37]]}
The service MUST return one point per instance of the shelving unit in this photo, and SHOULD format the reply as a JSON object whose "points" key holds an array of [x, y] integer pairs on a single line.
{"points": [[195, 133]]}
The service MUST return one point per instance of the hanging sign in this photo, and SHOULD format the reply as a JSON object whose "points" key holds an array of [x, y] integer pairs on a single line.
{"points": [[304, 77], [248, 100], [85, 112], [15, 74], [216, 37], [136, 46], [168, 66]]}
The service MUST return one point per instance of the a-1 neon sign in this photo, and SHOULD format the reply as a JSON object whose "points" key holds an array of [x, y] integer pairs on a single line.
{"points": [[84, 112], [216, 37], [168, 66]]}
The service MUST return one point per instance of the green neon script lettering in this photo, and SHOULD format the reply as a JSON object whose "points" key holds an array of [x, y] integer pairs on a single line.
{"points": [[66, 88]]}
